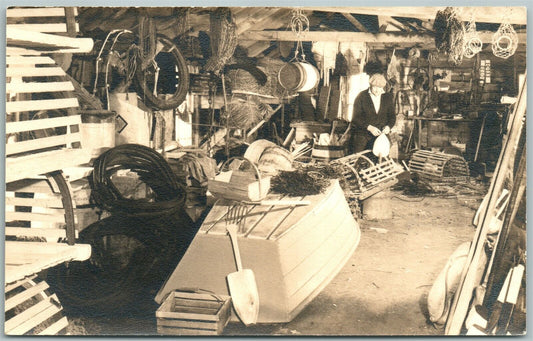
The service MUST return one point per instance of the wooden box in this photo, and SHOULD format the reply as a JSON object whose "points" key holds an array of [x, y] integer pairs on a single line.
{"points": [[184, 313], [238, 185]]}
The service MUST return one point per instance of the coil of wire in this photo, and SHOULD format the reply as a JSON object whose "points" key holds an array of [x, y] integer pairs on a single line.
{"points": [[151, 168]]}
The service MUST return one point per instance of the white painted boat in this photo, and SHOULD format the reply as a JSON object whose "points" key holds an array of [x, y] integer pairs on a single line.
{"points": [[294, 251]]}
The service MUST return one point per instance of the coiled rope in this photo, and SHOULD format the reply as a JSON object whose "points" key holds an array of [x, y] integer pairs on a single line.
{"points": [[152, 169]]}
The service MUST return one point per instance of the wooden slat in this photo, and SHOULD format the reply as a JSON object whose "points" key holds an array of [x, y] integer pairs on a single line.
{"points": [[50, 202], [35, 12], [17, 284], [37, 232], [28, 166], [43, 104], [30, 186], [38, 87], [183, 331], [45, 142], [28, 60], [12, 302], [27, 314], [50, 40], [47, 28], [16, 51], [193, 324], [29, 216], [45, 123], [56, 327], [34, 71]]}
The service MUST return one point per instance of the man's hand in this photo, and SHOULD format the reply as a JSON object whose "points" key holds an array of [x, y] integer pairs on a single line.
{"points": [[386, 130], [373, 130]]}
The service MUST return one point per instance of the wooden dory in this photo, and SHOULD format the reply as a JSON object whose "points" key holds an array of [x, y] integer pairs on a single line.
{"points": [[294, 252]]}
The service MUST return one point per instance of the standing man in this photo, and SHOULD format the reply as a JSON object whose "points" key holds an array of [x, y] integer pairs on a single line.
{"points": [[373, 114]]}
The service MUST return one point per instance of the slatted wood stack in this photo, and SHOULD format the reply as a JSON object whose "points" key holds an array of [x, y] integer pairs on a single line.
{"points": [[30, 310], [438, 166], [42, 138]]}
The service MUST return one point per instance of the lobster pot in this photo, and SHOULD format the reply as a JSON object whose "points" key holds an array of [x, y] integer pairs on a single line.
{"points": [[299, 77], [327, 153], [438, 166]]}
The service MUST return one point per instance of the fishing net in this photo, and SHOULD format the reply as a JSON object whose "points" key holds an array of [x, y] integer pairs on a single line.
{"points": [[505, 40], [473, 44], [450, 34]]}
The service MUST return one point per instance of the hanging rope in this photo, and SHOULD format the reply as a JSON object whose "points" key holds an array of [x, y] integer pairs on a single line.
{"points": [[299, 24], [505, 40], [473, 44]]}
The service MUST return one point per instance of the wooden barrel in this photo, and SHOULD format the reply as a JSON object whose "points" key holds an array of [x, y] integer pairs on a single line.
{"points": [[298, 76], [327, 153]]}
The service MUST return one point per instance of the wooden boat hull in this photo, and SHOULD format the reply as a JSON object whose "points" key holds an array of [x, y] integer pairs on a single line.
{"points": [[294, 252]]}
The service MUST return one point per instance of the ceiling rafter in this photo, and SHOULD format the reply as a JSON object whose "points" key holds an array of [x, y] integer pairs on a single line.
{"points": [[355, 22]]}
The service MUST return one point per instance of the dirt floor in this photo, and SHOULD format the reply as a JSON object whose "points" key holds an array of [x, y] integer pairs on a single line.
{"points": [[381, 290]]}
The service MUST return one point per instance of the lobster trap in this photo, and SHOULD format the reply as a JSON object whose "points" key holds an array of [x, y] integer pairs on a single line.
{"points": [[363, 177], [438, 166]]}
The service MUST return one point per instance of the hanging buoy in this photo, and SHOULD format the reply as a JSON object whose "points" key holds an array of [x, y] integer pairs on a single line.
{"points": [[298, 76]]}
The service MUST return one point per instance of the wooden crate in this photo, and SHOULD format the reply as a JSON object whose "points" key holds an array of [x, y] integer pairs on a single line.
{"points": [[184, 313]]}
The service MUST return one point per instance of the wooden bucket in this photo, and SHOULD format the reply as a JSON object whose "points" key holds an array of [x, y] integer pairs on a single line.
{"points": [[327, 153], [97, 131], [298, 76]]}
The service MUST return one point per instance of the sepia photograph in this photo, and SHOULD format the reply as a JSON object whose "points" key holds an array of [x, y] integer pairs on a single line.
{"points": [[265, 171]]}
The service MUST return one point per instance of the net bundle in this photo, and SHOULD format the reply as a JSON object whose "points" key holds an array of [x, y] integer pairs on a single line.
{"points": [[450, 34]]}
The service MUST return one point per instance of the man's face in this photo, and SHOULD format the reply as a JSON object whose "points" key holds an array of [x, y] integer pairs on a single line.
{"points": [[376, 90]]}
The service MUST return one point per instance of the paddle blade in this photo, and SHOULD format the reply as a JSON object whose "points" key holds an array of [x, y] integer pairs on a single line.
{"points": [[244, 295]]}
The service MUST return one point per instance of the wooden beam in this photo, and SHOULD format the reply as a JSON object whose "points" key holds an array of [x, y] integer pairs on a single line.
{"points": [[256, 49], [383, 38], [357, 24], [486, 14], [385, 22]]}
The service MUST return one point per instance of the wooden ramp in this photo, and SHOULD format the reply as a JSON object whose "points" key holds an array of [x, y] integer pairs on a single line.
{"points": [[294, 252]]}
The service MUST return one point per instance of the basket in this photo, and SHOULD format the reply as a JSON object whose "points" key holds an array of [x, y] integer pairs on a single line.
{"points": [[184, 313], [239, 185]]}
